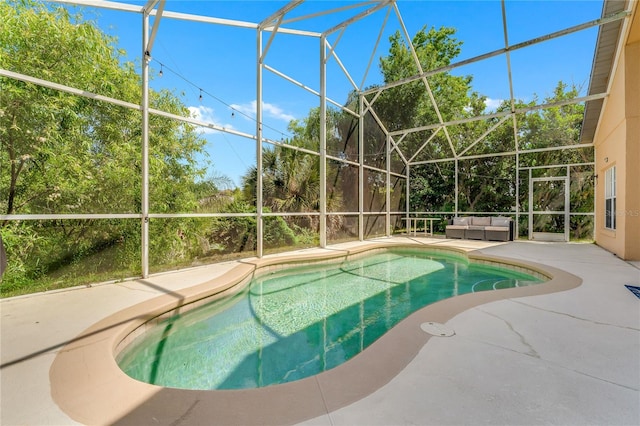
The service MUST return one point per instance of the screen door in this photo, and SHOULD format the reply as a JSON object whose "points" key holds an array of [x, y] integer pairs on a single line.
{"points": [[549, 209]]}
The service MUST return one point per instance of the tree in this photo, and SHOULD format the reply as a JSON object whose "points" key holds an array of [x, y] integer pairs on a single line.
{"points": [[291, 178], [409, 105], [62, 153], [556, 127], [485, 184]]}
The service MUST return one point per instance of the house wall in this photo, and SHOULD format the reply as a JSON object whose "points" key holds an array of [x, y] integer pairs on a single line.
{"points": [[617, 143], [632, 177]]}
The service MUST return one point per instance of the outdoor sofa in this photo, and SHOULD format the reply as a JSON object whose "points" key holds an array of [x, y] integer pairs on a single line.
{"points": [[480, 228]]}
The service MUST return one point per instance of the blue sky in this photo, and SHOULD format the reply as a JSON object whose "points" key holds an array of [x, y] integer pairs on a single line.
{"points": [[220, 60]]}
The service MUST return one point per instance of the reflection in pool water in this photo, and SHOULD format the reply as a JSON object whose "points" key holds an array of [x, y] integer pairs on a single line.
{"points": [[293, 324]]}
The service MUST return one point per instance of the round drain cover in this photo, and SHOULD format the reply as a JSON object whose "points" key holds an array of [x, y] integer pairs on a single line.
{"points": [[437, 329]]}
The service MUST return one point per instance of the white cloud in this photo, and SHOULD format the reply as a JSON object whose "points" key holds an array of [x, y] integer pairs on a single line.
{"points": [[277, 112], [207, 115], [202, 113], [492, 104], [248, 109], [270, 110]]}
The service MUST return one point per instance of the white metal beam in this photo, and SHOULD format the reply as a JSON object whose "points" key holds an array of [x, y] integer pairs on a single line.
{"points": [[559, 166], [66, 89], [361, 168], [377, 119], [344, 70], [91, 95], [375, 48], [615, 17], [323, 141], [308, 89], [375, 98], [407, 190], [332, 46], [456, 189], [259, 202], [145, 148], [279, 14], [419, 150], [209, 20], [506, 154], [395, 146], [424, 79], [514, 121], [484, 135], [273, 24], [149, 6], [508, 56], [289, 146], [156, 23], [184, 16], [67, 216], [124, 7], [201, 123], [328, 12], [387, 192], [271, 37], [359, 16], [503, 113]]}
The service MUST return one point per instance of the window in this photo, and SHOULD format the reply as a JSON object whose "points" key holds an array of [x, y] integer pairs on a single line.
{"points": [[610, 198]]}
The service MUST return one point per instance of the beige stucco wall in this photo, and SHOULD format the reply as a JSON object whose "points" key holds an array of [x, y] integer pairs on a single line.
{"points": [[617, 142], [632, 176]]}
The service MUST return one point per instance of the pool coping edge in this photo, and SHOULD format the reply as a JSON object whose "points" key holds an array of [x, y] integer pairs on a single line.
{"points": [[87, 384]]}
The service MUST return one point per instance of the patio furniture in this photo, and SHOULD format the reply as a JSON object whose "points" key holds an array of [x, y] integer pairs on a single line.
{"points": [[428, 231], [501, 229], [475, 231], [457, 226], [480, 228]]}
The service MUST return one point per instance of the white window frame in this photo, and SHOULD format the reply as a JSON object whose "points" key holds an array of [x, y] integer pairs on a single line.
{"points": [[610, 198]]}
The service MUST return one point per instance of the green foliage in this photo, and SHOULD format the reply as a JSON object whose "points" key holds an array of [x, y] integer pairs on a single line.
{"points": [[43, 257], [234, 234], [238, 234], [553, 127], [486, 184], [432, 187], [409, 105], [277, 233], [65, 153], [71, 154]]}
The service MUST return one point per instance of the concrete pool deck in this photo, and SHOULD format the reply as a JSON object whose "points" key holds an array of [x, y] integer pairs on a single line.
{"points": [[571, 357]]}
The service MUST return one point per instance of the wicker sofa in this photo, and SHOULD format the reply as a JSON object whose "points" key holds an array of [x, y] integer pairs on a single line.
{"points": [[480, 228]]}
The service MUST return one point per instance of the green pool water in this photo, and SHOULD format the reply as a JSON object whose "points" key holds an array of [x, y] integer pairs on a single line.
{"points": [[296, 323]]}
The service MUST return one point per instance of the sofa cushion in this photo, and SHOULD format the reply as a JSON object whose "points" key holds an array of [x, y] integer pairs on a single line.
{"points": [[500, 221], [461, 221], [481, 221], [497, 228], [457, 227]]}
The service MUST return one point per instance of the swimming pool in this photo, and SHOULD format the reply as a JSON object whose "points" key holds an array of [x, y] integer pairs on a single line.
{"points": [[296, 323]]}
